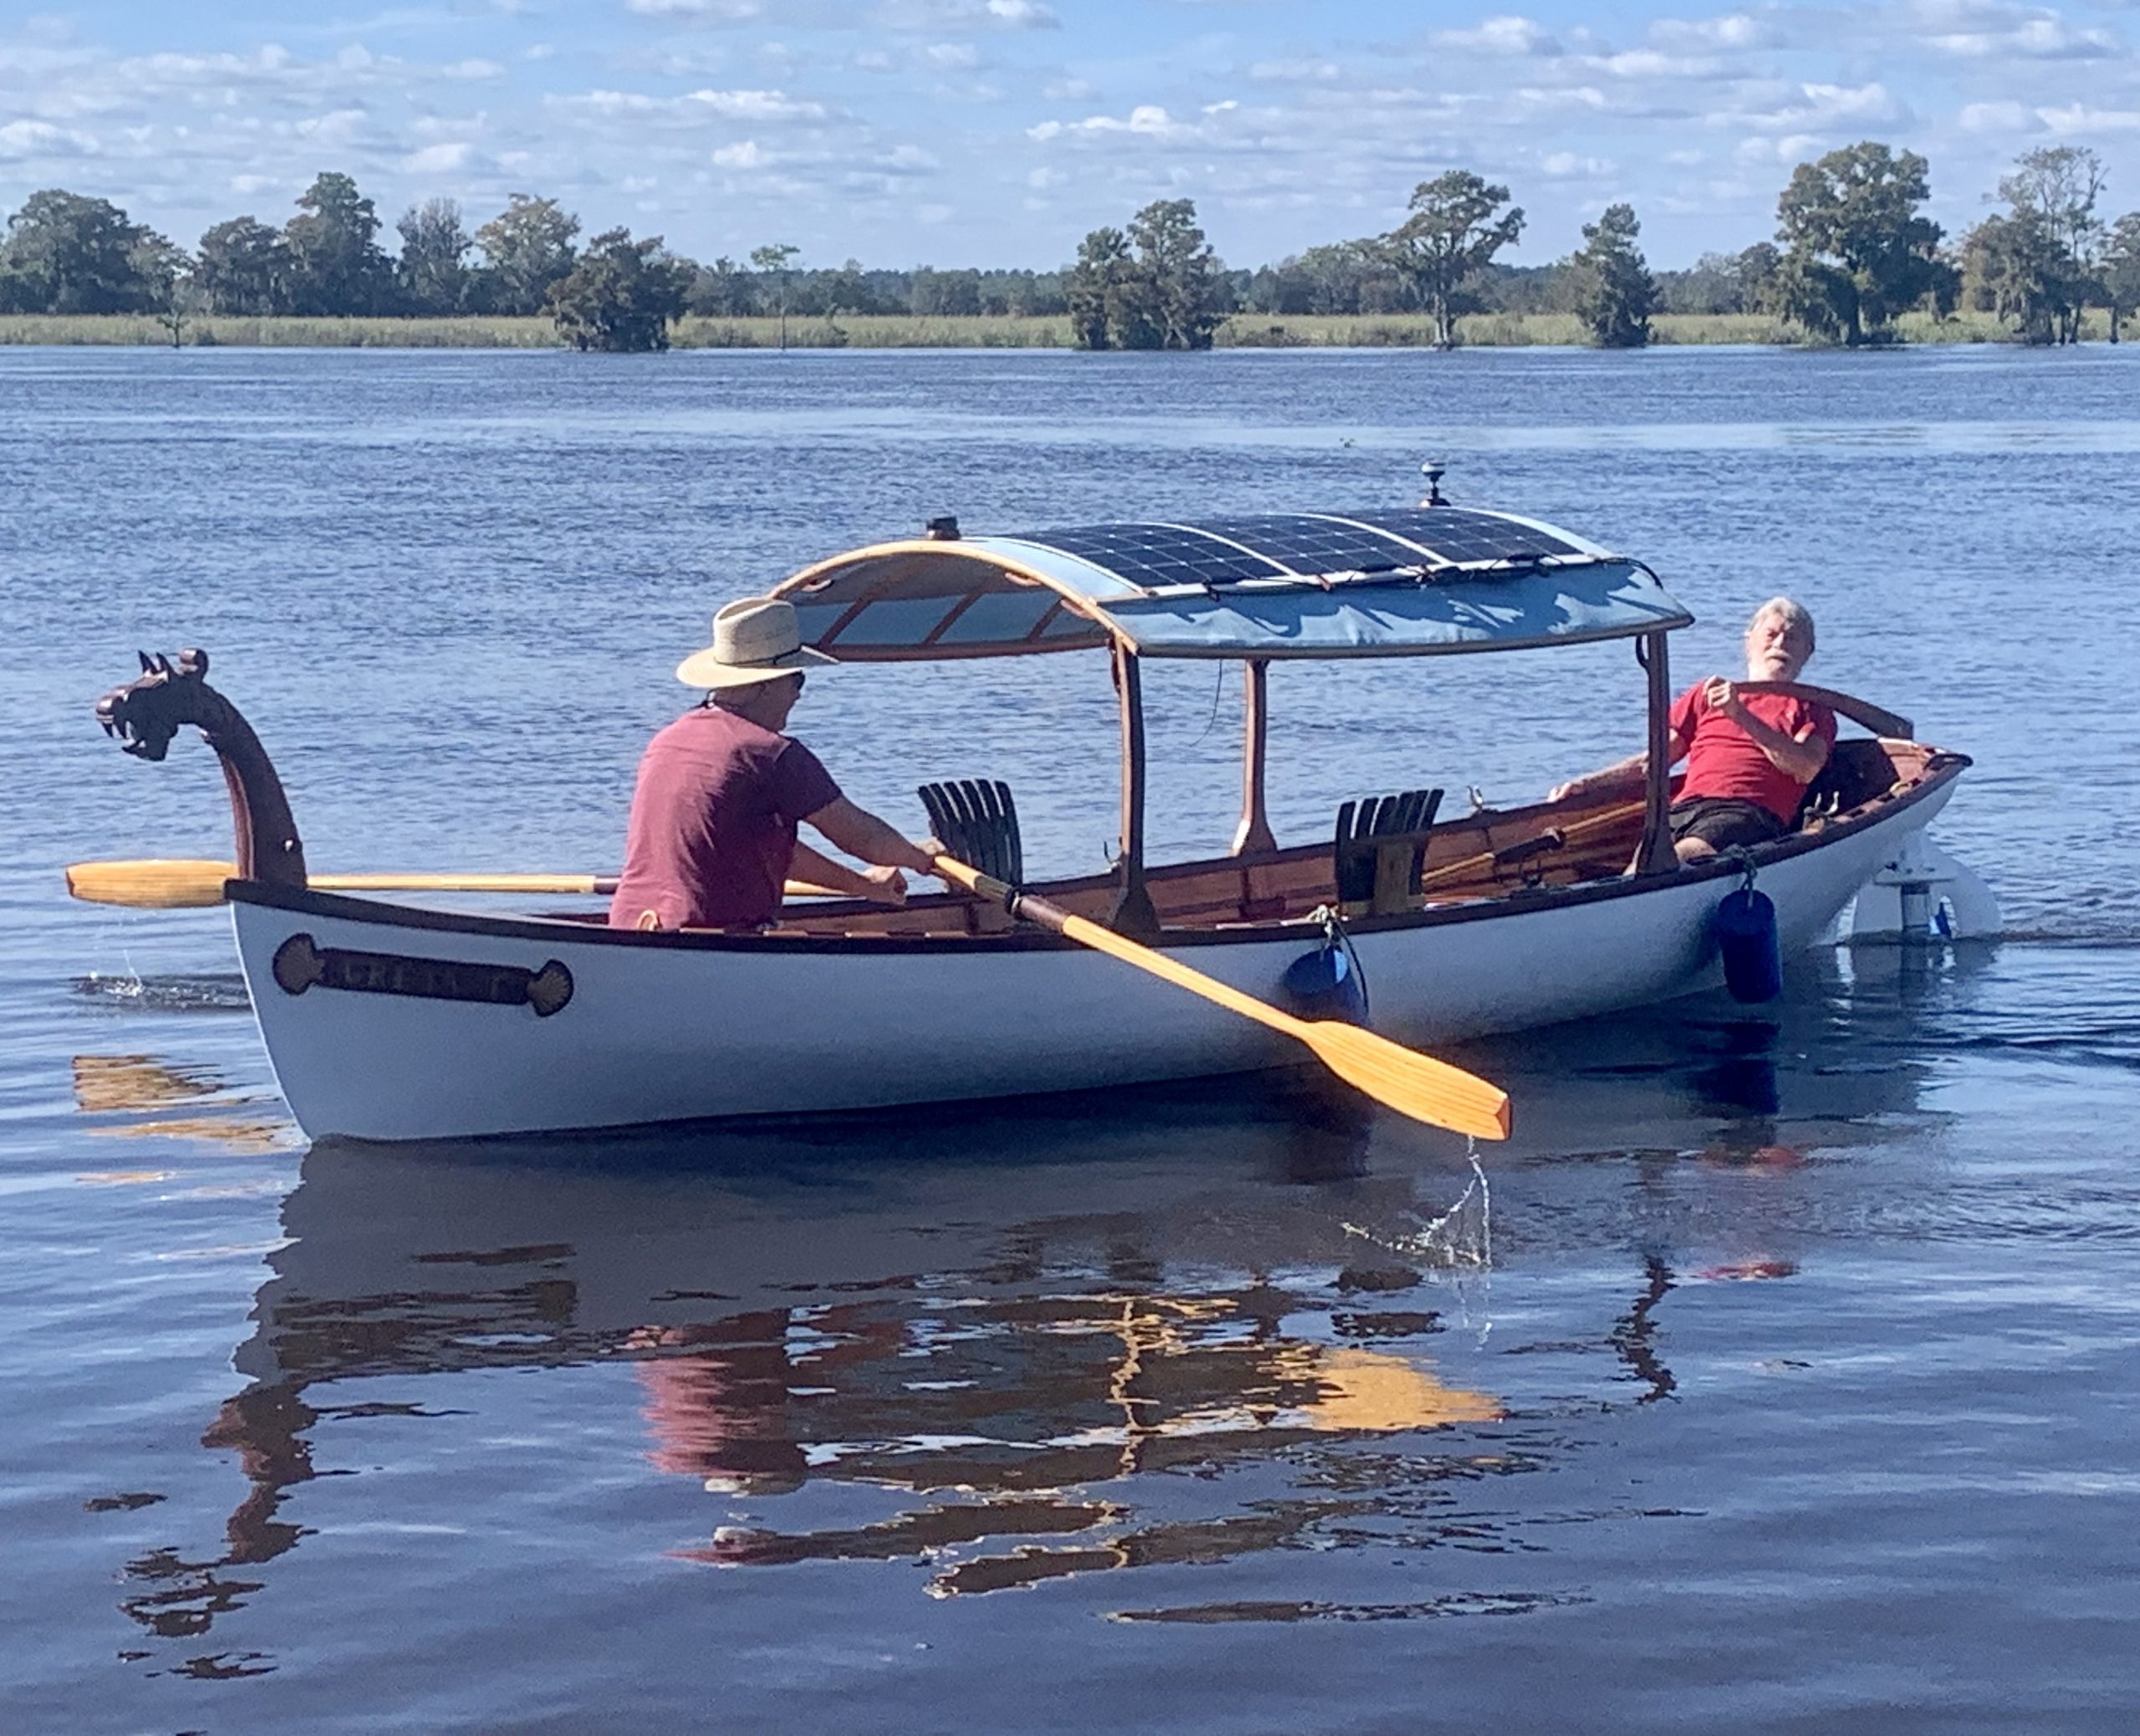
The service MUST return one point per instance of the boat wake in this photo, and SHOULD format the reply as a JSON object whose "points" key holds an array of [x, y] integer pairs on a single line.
{"points": [[201, 992]]}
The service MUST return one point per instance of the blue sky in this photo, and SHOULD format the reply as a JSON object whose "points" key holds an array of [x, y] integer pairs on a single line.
{"points": [[976, 132]]}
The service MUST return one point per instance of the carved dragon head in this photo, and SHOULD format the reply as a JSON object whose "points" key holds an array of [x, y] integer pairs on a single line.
{"points": [[145, 713]]}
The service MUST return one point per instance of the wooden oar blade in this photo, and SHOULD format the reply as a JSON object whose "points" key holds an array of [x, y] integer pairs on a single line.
{"points": [[1409, 1082], [173, 883]]}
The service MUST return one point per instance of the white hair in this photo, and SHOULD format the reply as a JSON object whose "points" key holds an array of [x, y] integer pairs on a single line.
{"points": [[1794, 614]]}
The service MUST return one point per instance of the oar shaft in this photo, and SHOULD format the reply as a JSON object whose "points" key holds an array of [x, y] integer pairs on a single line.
{"points": [[1569, 833], [1405, 1080], [179, 884], [1874, 718]]}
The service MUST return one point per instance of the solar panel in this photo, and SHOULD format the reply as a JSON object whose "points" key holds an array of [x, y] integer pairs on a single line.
{"points": [[1225, 550], [1155, 555], [1305, 543], [1455, 533]]}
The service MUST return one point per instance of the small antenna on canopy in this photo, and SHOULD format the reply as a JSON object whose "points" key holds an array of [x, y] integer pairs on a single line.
{"points": [[1431, 470]]}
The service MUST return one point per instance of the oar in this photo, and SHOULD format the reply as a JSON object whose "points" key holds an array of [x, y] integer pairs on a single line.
{"points": [[177, 884], [1880, 723], [1409, 1082], [1567, 834]]}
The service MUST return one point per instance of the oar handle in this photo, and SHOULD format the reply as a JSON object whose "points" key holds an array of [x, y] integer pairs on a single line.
{"points": [[1029, 907]]}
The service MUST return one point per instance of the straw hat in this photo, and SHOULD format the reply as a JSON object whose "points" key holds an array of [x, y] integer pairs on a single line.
{"points": [[755, 640]]}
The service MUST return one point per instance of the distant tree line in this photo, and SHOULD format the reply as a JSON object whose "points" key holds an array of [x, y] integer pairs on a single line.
{"points": [[1853, 252]]}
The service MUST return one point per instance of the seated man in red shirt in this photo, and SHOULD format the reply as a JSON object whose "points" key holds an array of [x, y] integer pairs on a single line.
{"points": [[1749, 756], [722, 790]]}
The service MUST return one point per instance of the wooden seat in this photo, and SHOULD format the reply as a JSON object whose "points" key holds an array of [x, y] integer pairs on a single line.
{"points": [[1380, 843]]}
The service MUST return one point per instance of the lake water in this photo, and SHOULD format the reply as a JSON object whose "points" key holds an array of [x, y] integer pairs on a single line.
{"points": [[1800, 1391]]}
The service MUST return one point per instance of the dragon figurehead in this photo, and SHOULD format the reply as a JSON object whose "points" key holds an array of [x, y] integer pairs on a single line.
{"points": [[143, 715]]}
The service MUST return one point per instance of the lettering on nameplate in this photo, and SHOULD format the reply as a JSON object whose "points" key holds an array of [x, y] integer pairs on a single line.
{"points": [[302, 963]]}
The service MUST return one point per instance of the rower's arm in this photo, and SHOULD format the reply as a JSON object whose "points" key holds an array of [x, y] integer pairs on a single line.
{"points": [[1629, 774], [862, 833], [1801, 756], [883, 886]]}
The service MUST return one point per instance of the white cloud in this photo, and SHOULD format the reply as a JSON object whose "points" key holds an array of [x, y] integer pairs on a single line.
{"points": [[1979, 29], [1504, 35], [339, 126], [953, 15], [2080, 118], [746, 156], [1734, 30], [1147, 120], [473, 70], [2001, 117], [699, 11], [439, 159], [41, 138], [1571, 166], [1306, 71], [758, 105]]}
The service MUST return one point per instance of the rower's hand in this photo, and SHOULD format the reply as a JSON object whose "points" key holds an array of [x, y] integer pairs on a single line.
{"points": [[1561, 792], [1724, 696], [887, 885]]}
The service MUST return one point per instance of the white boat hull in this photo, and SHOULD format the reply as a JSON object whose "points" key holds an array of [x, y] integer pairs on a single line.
{"points": [[747, 1026]]}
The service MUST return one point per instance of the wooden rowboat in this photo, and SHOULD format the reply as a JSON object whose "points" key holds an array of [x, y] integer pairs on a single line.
{"points": [[386, 1021]]}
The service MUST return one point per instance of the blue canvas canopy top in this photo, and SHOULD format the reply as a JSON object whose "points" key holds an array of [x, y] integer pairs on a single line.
{"points": [[1407, 582]]}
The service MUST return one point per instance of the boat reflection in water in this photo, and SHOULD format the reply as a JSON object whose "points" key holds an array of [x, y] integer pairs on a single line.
{"points": [[139, 1094], [995, 1331]]}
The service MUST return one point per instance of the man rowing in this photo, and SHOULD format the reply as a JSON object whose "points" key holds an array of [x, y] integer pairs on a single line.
{"points": [[720, 792], [1749, 755]]}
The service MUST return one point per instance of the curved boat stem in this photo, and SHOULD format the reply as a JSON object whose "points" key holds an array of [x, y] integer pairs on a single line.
{"points": [[145, 713]]}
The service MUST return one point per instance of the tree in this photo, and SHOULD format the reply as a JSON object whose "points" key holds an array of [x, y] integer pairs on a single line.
{"points": [[2013, 268], [1183, 287], [1098, 287], [67, 254], [529, 248], [775, 258], [955, 293], [166, 269], [2120, 268], [1857, 251], [243, 267], [723, 290], [1456, 227], [336, 267], [1615, 293], [622, 294], [1158, 286], [434, 249], [2053, 192]]}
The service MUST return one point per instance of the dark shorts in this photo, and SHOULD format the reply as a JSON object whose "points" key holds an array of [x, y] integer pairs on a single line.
{"points": [[1723, 822]]}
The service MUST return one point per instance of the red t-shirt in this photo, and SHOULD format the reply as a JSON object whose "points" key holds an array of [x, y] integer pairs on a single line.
{"points": [[1724, 760], [713, 823]]}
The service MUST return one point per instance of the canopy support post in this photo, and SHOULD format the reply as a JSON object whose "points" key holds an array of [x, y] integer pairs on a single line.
{"points": [[1254, 834], [1132, 912], [1656, 855]]}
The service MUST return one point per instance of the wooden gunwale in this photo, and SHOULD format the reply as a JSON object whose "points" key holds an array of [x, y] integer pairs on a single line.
{"points": [[1938, 770]]}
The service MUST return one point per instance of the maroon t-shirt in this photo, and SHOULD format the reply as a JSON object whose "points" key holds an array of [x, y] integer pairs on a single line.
{"points": [[1724, 760], [713, 823]]}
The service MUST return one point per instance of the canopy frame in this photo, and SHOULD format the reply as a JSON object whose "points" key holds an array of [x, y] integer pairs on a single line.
{"points": [[929, 593]]}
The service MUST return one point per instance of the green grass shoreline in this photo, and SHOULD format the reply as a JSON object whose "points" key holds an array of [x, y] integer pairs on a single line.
{"points": [[901, 331]]}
